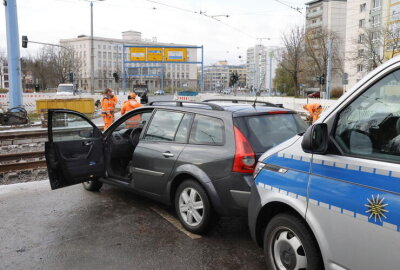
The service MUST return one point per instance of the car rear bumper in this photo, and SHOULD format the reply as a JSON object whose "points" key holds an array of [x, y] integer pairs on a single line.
{"points": [[234, 193]]}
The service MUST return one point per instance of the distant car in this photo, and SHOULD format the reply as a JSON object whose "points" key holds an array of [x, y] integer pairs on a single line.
{"points": [[66, 89], [159, 92], [314, 95], [227, 91]]}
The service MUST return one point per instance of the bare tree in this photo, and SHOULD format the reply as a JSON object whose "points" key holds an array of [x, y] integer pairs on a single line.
{"points": [[375, 45], [293, 55], [316, 48]]}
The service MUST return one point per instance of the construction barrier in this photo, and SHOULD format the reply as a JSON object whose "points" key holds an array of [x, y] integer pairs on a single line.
{"points": [[82, 105]]}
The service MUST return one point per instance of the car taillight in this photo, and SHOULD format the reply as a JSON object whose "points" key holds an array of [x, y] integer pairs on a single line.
{"points": [[245, 159]]}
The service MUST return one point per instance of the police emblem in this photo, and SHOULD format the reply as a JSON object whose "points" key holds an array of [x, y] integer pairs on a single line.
{"points": [[376, 208]]}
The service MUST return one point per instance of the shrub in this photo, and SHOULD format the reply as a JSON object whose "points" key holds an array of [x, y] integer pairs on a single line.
{"points": [[337, 92]]}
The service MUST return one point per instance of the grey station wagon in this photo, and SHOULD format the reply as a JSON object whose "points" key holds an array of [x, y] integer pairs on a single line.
{"points": [[198, 157]]}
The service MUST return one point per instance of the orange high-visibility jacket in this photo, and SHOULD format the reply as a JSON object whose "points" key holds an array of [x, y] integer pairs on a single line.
{"points": [[129, 105], [108, 104], [314, 109]]}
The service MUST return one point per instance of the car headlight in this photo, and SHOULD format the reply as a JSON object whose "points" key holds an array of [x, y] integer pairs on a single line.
{"points": [[258, 168]]}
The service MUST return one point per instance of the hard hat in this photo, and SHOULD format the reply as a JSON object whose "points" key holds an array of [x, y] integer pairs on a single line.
{"points": [[132, 95]]}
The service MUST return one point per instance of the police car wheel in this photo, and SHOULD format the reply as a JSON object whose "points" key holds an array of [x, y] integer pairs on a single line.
{"points": [[193, 207], [290, 245], [93, 185]]}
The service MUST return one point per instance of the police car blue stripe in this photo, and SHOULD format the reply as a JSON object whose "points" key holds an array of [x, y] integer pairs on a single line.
{"points": [[366, 176]]}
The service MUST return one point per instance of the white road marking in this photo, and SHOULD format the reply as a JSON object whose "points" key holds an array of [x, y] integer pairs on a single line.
{"points": [[174, 222]]}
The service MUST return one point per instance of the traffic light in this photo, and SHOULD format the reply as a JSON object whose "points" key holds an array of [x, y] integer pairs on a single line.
{"points": [[24, 41], [322, 79], [116, 76], [71, 77]]}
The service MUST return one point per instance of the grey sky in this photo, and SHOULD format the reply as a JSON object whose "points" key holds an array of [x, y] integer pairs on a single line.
{"points": [[52, 20]]}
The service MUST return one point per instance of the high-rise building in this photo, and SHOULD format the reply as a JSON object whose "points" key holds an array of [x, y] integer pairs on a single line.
{"points": [[329, 16], [365, 25], [108, 57], [261, 65]]}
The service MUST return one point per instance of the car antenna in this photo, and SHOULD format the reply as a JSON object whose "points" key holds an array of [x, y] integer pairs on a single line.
{"points": [[254, 104]]}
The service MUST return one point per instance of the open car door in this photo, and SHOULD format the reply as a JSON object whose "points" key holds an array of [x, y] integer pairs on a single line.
{"points": [[74, 151]]}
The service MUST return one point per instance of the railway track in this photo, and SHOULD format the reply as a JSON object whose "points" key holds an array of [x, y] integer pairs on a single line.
{"points": [[22, 161]]}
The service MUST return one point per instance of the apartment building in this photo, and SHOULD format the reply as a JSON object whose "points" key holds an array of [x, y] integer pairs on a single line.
{"points": [[108, 58], [366, 23], [261, 64], [329, 15]]}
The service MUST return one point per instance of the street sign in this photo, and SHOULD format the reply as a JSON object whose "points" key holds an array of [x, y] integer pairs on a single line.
{"points": [[155, 54], [137, 54], [175, 54]]}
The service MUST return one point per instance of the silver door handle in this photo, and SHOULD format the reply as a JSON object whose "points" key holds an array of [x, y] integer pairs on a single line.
{"points": [[168, 154]]}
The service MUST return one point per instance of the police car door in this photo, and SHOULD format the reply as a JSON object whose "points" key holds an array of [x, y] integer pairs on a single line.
{"points": [[354, 193]]}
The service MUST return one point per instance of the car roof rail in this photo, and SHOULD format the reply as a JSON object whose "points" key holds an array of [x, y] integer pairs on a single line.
{"points": [[265, 103], [180, 103]]}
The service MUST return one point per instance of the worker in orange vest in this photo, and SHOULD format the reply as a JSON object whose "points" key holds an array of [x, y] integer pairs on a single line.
{"points": [[108, 104], [314, 110], [129, 105]]}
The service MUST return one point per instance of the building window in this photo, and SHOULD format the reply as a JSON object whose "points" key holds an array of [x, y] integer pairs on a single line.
{"points": [[363, 7], [109, 55], [376, 3], [361, 38], [104, 47], [99, 54], [360, 53], [361, 23], [104, 55], [359, 68], [376, 20], [100, 84]]}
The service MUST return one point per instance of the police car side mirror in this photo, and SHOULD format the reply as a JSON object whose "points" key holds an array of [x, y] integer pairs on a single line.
{"points": [[315, 139]]}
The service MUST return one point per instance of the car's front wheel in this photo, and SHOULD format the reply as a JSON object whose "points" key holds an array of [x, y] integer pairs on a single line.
{"points": [[193, 207], [93, 185], [290, 244]]}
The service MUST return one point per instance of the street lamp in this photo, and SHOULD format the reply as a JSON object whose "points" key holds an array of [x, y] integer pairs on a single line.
{"points": [[92, 47]]}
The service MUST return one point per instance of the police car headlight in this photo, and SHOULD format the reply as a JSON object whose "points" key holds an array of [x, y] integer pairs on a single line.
{"points": [[258, 168]]}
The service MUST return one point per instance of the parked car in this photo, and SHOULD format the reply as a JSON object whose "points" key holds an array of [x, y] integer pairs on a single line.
{"points": [[227, 91], [159, 92], [66, 89], [198, 157], [314, 95], [330, 199]]}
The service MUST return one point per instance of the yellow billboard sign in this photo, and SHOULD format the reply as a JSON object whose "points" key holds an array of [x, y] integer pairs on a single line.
{"points": [[155, 54], [175, 54], [137, 54]]}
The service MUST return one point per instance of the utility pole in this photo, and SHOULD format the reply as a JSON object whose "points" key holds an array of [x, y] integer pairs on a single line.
{"points": [[14, 63], [271, 54], [329, 70]]}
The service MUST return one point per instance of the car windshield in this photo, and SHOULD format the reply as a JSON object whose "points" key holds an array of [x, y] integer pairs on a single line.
{"points": [[267, 131], [65, 88]]}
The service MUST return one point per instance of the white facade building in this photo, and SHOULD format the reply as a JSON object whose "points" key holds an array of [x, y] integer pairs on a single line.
{"points": [[363, 16], [108, 57], [329, 15], [216, 77], [3, 74], [261, 65]]}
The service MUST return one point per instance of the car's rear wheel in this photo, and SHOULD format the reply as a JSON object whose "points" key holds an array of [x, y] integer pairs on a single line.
{"points": [[193, 207], [93, 185], [290, 245]]}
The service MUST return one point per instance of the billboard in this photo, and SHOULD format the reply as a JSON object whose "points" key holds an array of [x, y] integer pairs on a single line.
{"points": [[155, 54], [137, 54], [175, 54]]}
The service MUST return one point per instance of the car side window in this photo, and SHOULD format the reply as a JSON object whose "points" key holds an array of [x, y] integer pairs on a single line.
{"points": [[207, 130], [163, 126], [70, 127], [370, 125], [183, 131]]}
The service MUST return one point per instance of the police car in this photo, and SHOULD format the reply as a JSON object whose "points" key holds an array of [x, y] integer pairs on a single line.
{"points": [[330, 198]]}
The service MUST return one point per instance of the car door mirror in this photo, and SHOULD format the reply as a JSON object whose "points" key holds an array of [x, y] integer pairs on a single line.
{"points": [[315, 139]]}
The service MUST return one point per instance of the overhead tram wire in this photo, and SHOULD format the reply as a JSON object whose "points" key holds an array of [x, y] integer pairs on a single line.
{"points": [[203, 13], [289, 6]]}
